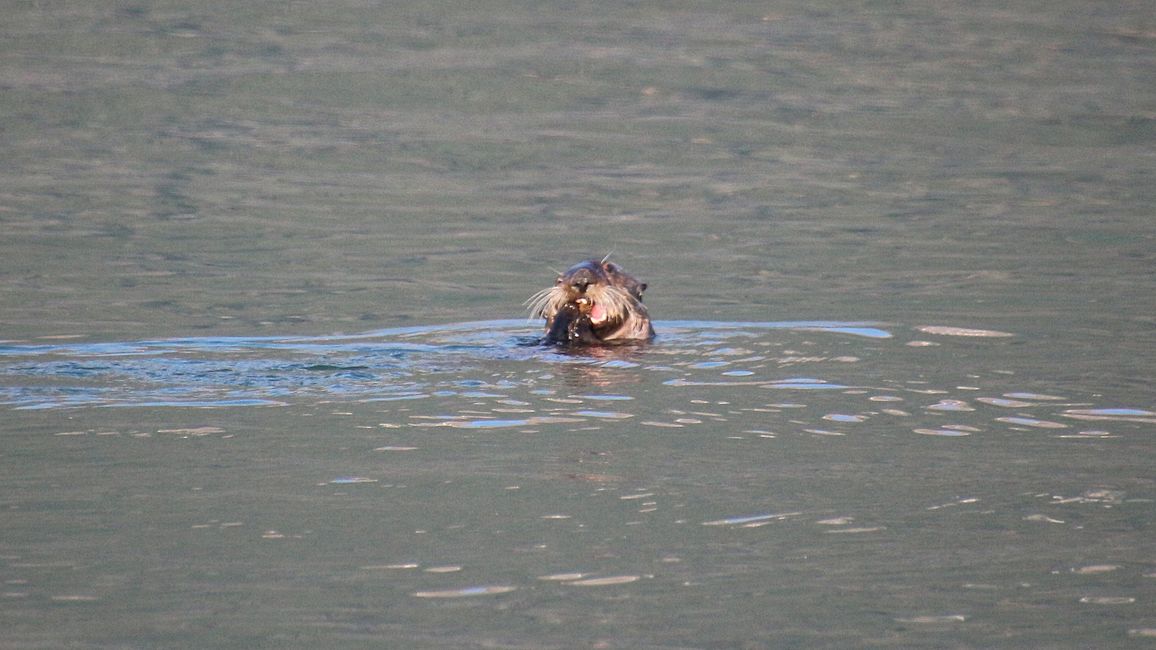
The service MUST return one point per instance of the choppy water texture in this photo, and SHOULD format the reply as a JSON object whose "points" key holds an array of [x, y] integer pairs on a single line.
{"points": [[900, 256]]}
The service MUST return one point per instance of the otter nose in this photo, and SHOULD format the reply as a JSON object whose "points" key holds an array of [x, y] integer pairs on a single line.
{"points": [[581, 279]]}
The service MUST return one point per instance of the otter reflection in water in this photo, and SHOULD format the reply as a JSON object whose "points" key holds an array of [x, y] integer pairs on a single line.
{"points": [[594, 301]]}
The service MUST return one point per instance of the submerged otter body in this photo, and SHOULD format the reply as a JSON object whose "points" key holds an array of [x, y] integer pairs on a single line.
{"points": [[593, 302]]}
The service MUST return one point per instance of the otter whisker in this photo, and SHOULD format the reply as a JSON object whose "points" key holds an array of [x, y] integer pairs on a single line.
{"points": [[535, 304], [617, 302], [538, 295], [545, 302]]}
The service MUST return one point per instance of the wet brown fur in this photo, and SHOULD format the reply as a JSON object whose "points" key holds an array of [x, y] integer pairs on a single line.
{"points": [[575, 293]]}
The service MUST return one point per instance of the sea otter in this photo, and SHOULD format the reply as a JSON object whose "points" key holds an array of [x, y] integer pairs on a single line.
{"points": [[593, 302]]}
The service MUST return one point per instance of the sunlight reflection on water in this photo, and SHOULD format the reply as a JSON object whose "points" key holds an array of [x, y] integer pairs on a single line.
{"points": [[489, 375], [388, 364]]}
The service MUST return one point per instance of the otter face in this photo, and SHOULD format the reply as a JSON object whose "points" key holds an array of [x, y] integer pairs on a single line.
{"points": [[594, 301]]}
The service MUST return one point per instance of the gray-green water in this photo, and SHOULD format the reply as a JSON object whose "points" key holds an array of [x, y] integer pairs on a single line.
{"points": [[261, 387]]}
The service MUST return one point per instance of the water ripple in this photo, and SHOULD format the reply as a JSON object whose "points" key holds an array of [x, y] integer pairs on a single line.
{"points": [[719, 378], [405, 363]]}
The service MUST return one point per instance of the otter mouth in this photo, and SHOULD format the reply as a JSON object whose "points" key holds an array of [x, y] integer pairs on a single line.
{"points": [[598, 314], [593, 302]]}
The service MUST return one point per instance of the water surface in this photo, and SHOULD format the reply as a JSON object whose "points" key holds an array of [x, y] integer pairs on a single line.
{"points": [[261, 387], [660, 494]]}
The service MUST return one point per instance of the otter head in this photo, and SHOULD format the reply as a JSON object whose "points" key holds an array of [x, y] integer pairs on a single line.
{"points": [[594, 301]]}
